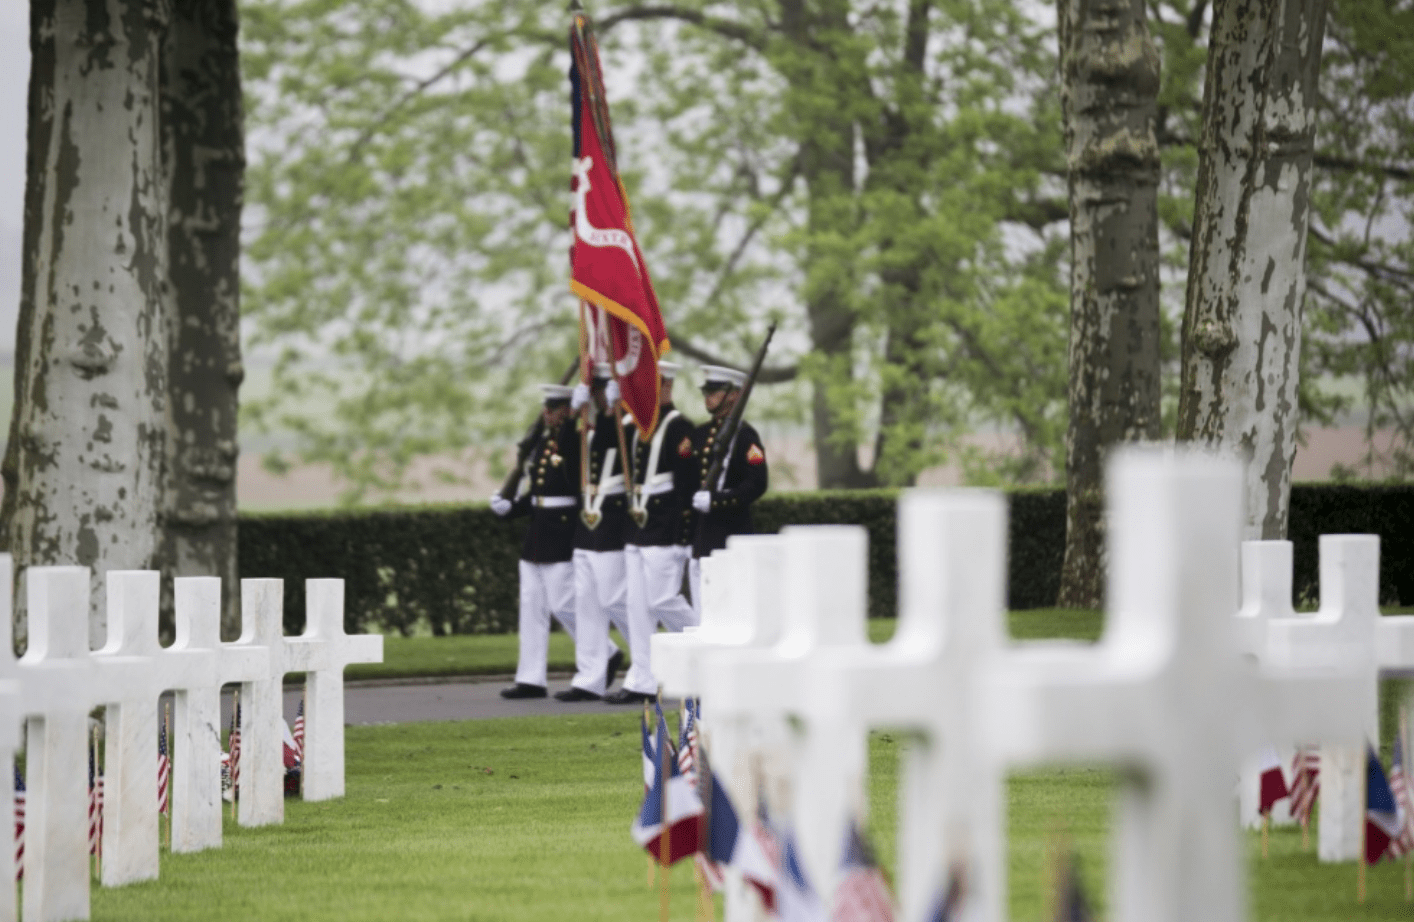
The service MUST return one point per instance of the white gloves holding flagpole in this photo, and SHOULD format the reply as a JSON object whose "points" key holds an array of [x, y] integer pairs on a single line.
{"points": [[702, 500]]}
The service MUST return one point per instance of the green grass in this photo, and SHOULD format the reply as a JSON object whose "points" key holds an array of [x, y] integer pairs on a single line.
{"points": [[494, 654], [526, 819]]}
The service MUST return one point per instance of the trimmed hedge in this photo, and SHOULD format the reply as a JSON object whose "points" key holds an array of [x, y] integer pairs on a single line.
{"points": [[454, 567]]}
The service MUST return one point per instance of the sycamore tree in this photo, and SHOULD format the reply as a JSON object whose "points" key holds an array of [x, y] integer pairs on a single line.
{"points": [[877, 177]]}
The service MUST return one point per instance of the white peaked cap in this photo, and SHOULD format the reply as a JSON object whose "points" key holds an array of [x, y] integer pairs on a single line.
{"points": [[549, 392], [603, 370], [720, 374], [669, 370]]}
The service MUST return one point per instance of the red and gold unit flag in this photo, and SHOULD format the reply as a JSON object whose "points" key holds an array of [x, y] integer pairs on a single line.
{"points": [[608, 269]]}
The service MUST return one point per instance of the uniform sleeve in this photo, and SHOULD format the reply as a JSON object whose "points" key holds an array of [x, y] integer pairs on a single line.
{"points": [[750, 469], [680, 445]]}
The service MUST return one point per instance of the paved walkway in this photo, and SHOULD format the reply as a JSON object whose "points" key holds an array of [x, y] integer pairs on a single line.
{"points": [[398, 701]]}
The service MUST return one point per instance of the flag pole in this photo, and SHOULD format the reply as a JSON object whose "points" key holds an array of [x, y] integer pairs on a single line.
{"points": [[663, 834], [236, 729], [97, 791], [1266, 827], [652, 862], [1408, 787], [1364, 821]]}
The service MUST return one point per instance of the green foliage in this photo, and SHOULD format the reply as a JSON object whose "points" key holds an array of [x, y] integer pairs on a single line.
{"points": [[407, 261]]}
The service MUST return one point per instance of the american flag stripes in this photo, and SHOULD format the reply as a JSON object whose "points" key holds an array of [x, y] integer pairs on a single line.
{"points": [[19, 824], [298, 732], [164, 771], [687, 742], [95, 804], [1306, 782], [862, 895], [235, 745], [1402, 844]]}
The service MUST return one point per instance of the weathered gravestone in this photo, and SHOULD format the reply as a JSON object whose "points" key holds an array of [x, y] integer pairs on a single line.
{"points": [[952, 583], [822, 582], [1346, 632], [1165, 695]]}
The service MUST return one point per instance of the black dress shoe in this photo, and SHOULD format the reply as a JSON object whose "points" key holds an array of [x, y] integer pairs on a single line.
{"points": [[616, 665], [576, 694], [627, 696], [521, 690]]}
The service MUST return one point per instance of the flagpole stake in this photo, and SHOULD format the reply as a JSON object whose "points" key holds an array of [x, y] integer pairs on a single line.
{"points": [[167, 731], [1364, 819], [665, 834], [1266, 825]]}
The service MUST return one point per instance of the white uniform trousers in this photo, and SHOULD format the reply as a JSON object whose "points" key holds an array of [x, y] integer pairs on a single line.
{"points": [[600, 597], [545, 589], [694, 580], [654, 597]]}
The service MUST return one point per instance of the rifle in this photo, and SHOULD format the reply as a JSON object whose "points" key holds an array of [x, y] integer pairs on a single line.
{"points": [[733, 421], [527, 444]]}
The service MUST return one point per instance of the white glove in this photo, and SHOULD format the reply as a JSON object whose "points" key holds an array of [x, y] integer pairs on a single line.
{"points": [[611, 393], [702, 500], [500, 505], [580, 396]]}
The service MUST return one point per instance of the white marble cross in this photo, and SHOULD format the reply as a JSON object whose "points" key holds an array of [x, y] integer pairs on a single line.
{"points": [[741, 609], [1266, 594], [1165, 695], [130, 676], [58, 688], [201, 663], [322, 652], [1347, 631], [822, 588], [952, 583]]}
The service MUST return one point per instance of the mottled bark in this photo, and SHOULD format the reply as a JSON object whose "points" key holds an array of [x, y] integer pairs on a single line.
{"points": [[204, 155], [38, 133], [1109, 89], [90, 426], [1246, 280]]}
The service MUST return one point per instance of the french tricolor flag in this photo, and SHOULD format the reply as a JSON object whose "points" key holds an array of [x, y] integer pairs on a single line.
{"points": [[669, 796]]}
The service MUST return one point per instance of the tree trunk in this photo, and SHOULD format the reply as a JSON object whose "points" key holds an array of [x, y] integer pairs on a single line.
{"points": [[204, 157], [1109, 90], [91, 425], [39, 131], [1246, 281]]}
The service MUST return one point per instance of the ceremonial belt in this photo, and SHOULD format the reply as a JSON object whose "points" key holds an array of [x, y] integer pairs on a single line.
{"points": [[607, 486], [552, 502], [657, 483]]}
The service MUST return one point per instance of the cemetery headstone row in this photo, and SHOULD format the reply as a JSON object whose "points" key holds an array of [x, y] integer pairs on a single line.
{"points": [[58, 681], [1167, 694]]}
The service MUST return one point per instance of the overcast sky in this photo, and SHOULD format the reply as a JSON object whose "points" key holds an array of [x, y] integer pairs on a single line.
{"points": [[14, 65]]}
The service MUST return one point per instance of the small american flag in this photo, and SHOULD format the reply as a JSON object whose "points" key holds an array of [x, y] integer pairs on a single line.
{"points": [[862, 895], [19, 824], [687, 743], [1403, 843], [164, 771], [235, 746], [1306, 782], [298, 732], [95, 805]]}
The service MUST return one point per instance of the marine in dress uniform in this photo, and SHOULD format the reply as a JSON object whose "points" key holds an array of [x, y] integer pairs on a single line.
{"points": [[549, 494], [656, 545], [600, 591], [723, 508]]}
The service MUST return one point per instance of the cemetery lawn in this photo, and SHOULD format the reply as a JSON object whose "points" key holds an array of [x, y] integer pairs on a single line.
{"points": [[526, 820]]}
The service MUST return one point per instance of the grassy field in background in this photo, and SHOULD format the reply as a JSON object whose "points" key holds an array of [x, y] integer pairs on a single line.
{"points": [[495, 654], [526, 820]]}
